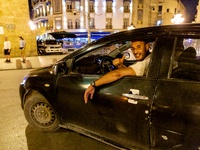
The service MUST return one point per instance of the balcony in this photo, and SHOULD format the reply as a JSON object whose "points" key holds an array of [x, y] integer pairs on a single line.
{"points": [[108, 26], [126, 10], [77, 27], [108, 10], [91, 10], [68, 10], [70, 26], [125, 26], [92, 26]]}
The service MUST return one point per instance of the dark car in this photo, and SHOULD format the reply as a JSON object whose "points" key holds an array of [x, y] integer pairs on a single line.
{"points": [[160, 110]]}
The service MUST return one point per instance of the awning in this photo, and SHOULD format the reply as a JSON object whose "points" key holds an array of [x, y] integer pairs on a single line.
{"points": [[62, 34]]}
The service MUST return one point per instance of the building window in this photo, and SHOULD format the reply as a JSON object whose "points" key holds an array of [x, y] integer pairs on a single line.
{"points": [[69, 6], [92, 6], [126, 7], [126, 23], [58, 23], [92, 23], [140, 1], [140, 12], [108, 23], [70, 25], [140, 16], [159, 8], [109, 6], [77, 5], [168, 10], [57, 6], [77, 24]]}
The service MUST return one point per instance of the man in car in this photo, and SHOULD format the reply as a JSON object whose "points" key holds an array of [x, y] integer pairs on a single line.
{"points": [[140, 50]]}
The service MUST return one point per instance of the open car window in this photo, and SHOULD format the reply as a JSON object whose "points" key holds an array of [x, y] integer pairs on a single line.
{"points": [[99, 60], [186, 59]]}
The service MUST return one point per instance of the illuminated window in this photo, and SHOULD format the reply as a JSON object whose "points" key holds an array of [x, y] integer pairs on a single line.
{"points": [[69, 23], [69, 6], [58, 22], [77, 24], [126, 23], [127, 7], [108, 23], [92, 23], [109, 6], [91, 6], [77, 5]]}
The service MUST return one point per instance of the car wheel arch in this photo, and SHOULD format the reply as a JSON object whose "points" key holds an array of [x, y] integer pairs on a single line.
{"points": [[28, 98]]}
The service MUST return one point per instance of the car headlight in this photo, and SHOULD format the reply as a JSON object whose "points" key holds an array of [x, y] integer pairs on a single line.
{"points": [[24, 80]]}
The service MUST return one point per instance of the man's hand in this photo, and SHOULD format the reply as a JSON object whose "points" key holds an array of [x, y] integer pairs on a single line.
{"points": [[90, 91], [119, 62]]}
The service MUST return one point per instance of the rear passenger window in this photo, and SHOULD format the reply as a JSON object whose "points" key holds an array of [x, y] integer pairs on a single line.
{"points": [[186, 59]]}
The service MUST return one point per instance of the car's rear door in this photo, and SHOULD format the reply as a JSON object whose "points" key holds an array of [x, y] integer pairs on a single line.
{"points": [[118, 111]]}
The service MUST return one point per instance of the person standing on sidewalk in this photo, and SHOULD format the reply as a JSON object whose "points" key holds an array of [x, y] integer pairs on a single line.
{"points": [[22, 49], [7, 49]]}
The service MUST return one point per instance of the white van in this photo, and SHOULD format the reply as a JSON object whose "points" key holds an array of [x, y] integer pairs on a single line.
{"points": [[49, 46]]}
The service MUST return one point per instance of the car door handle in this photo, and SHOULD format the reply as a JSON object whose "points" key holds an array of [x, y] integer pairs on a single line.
{"points": [[136, 97]]}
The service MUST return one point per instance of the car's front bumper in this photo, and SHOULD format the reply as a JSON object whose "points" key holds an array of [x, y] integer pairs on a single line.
{"points": [[22, 92]]}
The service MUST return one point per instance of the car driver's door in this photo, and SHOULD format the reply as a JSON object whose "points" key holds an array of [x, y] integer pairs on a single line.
{"points": [[118, 111]]}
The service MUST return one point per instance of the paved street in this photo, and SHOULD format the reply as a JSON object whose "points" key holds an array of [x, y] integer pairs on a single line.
{"points": [[16, 134]]}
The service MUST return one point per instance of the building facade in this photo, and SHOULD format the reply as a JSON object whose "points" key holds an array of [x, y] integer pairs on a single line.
{"points": [[197, 17], [102, 15], [14, 22]]}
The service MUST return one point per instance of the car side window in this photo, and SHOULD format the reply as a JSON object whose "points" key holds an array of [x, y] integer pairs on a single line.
{"points": [[186, 59]]}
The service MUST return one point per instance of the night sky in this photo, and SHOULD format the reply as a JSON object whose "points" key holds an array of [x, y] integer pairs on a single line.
{"points": [[191, 9]]}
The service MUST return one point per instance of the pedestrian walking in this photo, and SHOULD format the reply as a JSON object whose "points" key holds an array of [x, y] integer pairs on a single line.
{"points": [[7, 49], [22, 48]]}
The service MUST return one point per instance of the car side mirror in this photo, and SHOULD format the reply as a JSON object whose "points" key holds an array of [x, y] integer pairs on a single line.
{"points": [[59, 68]]}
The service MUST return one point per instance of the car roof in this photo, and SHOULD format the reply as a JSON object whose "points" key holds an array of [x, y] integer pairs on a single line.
{"points": [[149, 31]]}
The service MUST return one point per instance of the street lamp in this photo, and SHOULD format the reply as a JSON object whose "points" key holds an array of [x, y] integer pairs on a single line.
{"points": [[131, 26], [32, 25], [177, 19]]}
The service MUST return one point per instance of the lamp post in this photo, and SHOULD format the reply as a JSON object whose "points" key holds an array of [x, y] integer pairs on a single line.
{"points": [[88, 17], [177, 19]]}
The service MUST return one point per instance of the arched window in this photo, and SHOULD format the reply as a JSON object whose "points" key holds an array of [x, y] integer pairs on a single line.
{"points": [[70, 25], [77, 24]]}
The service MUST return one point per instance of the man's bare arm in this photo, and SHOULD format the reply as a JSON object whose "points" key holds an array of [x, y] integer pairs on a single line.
{"points": [[108, 78]]}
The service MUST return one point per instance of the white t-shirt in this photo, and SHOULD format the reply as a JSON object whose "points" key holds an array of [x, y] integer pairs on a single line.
{"points": [[140, 67], [22, 43], [7, 45]]}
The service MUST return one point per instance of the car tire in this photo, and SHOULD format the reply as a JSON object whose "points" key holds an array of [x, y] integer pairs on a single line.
{"points": [[39, 113]]}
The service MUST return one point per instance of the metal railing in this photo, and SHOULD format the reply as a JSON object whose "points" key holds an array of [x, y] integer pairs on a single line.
{"points": [[109, 10], [108, 26], [125, 26], [92, 26], [126, 10], [69, 10], [77, 26], [70, 26]]}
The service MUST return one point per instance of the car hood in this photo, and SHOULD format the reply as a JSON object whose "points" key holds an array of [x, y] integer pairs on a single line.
{"points": [[42, 69]]}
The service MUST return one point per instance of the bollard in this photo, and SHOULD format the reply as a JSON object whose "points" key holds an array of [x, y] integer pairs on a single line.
{"points": [[18, 64], [54, 60], [28, 64]]}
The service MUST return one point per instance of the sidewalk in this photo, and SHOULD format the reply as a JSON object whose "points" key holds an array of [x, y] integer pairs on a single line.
{"points": [[36, 61]]}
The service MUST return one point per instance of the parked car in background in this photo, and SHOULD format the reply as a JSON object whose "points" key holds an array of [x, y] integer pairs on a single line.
{"points": [[49, 46], [160, 110]]}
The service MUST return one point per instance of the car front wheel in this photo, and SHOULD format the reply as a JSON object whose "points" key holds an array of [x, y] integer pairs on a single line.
{"points": [[39, 113]]}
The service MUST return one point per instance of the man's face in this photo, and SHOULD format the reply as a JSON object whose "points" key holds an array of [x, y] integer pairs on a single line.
{"points": [[139, 50], [6, 38]]}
